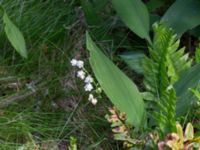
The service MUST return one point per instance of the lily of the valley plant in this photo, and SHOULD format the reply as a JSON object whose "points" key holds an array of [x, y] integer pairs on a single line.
{"points": [[158, 108], [152, 118], [89, 84]]}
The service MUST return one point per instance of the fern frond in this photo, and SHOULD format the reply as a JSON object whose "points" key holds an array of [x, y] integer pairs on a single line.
{"points": [[177, 61], [161, 71]]}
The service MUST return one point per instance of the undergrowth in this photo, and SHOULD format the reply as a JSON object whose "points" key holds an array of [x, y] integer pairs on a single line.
{"points": [[40, 101]]}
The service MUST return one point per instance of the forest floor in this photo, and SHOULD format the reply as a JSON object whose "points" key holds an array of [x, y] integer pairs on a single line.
{"points": [[41, 101]]}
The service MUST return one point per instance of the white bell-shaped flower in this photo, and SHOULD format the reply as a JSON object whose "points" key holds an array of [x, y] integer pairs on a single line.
{"points": [[80, 64], [91, 97], [74, 62], [88, 79], [88, 87], [81, 74], [94, 101]]}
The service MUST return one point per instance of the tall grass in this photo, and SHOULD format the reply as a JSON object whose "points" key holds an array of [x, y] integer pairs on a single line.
{"points": [[41, 19], [40, 100]]}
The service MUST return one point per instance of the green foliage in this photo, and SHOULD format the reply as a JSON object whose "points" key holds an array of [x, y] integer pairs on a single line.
{"points": [[53, 33], [154, 4], [196, 93], [73, 143], [95, 21], [134, 60], [189, 79], [197, 54], [181, 140], [161, 71], [42, 21], [135, 15], [14, 36], [156, 79], [168, 75], [167, 71], [28, 146], [195, 31], [122, 92], [183, 15], [177, 61], [91, 11]]}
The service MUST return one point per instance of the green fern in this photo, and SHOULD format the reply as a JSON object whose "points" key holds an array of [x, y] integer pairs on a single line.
{"points": [[161, 71]]}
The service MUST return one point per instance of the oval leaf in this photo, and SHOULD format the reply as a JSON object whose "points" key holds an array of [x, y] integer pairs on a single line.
{"points": [[122, 92], [189, 79], [14, 36], [135, 15], [183, 15]]}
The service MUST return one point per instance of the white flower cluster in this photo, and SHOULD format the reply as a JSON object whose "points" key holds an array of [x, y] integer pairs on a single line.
{"points": [[88, 80], [77, 63]]}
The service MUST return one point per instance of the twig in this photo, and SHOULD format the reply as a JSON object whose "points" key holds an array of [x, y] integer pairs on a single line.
{"points": [[5, 102]]}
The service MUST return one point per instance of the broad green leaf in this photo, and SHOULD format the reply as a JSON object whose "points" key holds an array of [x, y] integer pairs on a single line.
{"points": [[189, 79], [14, 36], [122, 92], [183, 15], [135, 15], [134, 60]]}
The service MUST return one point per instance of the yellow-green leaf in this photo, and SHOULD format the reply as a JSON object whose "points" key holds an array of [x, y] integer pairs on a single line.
{"points": [[180, 132], [189, 132]]}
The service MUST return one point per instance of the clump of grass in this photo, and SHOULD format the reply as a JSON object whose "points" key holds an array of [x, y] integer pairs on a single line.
{"points": [[40, 100], [41, 20]]}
